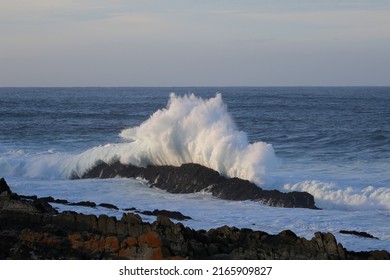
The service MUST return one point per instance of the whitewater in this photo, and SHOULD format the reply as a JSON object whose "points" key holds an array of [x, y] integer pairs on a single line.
{"points": [[189, 130], [263, 135]]}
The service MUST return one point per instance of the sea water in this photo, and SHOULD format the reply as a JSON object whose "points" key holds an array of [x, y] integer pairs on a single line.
{"points": [[329, 141]]}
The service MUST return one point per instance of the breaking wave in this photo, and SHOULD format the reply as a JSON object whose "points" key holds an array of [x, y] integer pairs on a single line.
{"points": [[189, 130]]}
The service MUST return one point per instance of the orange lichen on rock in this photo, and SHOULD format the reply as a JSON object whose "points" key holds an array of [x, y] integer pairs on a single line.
{"points": [[129, 242], [151, 238]]}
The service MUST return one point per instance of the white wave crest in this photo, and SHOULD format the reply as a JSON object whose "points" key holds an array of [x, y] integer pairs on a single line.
{"points": [[49, 165], [189, 130], [330, 196]]}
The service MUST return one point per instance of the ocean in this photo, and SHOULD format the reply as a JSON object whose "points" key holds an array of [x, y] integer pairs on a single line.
{"points": [[333, 142]]}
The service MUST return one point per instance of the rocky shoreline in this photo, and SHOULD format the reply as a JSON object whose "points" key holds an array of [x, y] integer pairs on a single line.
{"points": [[30, 228], [191, 178]]}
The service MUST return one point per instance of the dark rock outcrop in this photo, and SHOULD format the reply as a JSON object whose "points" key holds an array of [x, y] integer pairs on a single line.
{"points": [[39, 200], [4, 188], [84, 203], [169, 214], [190, 178], [11, 202], [108, 206], [358, 233], [43, 234]]}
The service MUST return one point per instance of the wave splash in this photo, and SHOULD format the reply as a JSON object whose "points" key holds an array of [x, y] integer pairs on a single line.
{"points": [[189, 130], [330, 196]]}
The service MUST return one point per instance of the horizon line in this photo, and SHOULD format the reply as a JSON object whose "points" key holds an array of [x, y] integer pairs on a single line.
{"points": [[203, 86]]}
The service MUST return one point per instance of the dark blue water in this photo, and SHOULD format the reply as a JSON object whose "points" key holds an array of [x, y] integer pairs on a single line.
{"points": [[316, 124], [330, 134]]}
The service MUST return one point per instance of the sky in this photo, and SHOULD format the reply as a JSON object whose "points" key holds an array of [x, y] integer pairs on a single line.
{"points": [[194, 43]]}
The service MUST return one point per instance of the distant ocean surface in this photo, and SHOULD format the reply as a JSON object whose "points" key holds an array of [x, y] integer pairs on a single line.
{"points": [[333, 142]]}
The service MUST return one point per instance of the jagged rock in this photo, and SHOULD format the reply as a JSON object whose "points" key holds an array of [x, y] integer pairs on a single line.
{"points": [[190, 178], [11, 202], [37, 234], [327, 243], [4, 188]]}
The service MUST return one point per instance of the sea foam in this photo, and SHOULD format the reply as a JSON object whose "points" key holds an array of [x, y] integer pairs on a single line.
{"points": [[331, 196], [192, 129], [189, 130]]}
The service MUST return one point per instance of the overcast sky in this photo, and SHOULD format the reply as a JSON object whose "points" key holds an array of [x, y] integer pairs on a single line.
{"points": [[194, 43]]}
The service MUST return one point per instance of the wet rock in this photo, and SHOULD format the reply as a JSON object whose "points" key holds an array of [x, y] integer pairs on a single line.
{"points": [[358, 233], [170, 214], [108, 206], [130, 209], [190, 178], [50, 199], [84, 203]]}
